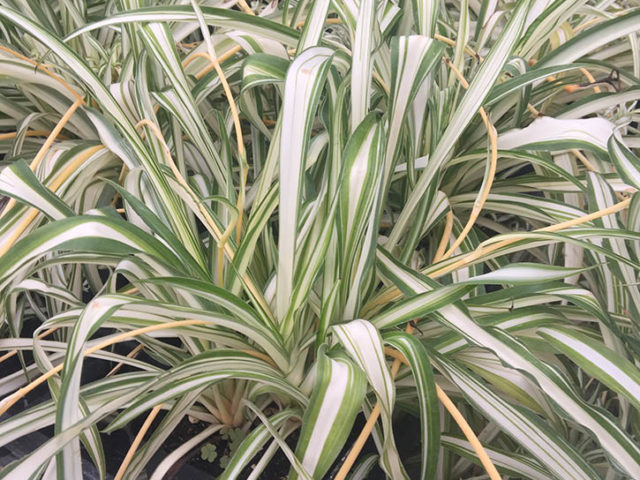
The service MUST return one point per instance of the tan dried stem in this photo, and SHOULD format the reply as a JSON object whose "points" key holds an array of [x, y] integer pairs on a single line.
{"points": [[9, 401], [393, 293], [32, 213], [446, 236], [137, 441], [29, 133], [12, 353], [446, 402], [47, 145], [493, 162]]}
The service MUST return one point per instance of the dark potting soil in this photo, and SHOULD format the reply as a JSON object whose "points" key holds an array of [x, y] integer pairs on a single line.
{"points": [[192, 466]]}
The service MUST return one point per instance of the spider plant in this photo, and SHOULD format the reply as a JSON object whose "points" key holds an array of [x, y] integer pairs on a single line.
{"points": [[294, 213]]}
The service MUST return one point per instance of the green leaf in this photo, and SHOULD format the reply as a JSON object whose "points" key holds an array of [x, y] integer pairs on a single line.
{"points": [[209, 452], [303, 86], [591, 39], [527, 429], [363, 344], [337, 395], [547, 133], [418, 359], [479, 88], [626, 162], [597, 360]]}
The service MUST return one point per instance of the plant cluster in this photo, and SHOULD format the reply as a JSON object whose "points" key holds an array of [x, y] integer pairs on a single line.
{"points": [[274, 217]]}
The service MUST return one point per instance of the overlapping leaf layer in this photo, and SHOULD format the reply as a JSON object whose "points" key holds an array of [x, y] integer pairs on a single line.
{"points": [[240, 205]]}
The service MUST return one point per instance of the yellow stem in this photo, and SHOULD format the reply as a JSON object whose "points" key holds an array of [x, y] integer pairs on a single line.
{"points": [[358, 444], [328, 21], [180, 179], [393, 293], [446, 402], [534, 111], [260, 355], [9, 401], [245, 7], [123, 172], [54, 133], [469, 434], [586, 24], [46, 145], [14, 352], [210, 55], [393, 353], [137, 441], [132, 354], [244, 173], [446, 237], [29, 133], [593, 21], [208, 220], [32, 212], [493, 163], [188, 44], [482, 250], [220, 264], [43, 69], [382, 83], [591, 79], [580, 156], [451, 42], [587, 218], [225, 56], [73, 166]]}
